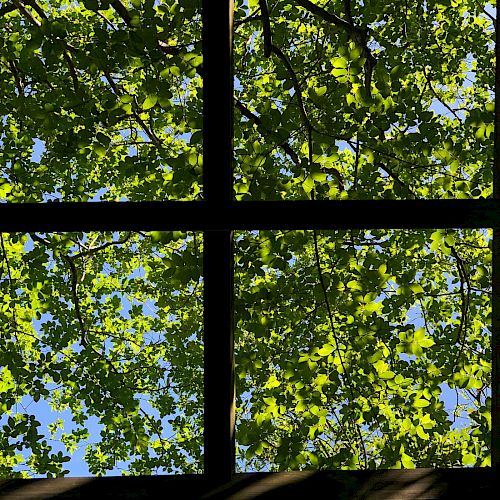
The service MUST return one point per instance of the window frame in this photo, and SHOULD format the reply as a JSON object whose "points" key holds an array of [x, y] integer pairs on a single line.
{"points": [[218, 215]]}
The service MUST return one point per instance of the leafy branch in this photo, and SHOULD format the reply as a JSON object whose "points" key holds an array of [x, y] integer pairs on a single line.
{"points": [[344, 375], [74, 281], [357, 33]]}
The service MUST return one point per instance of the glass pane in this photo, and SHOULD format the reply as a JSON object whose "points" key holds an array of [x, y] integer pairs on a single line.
{"points": [[101, 354], [363, 349], [364, 99], [101, 100]]}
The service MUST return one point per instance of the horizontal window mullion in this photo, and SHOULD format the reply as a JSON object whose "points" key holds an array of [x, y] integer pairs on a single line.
{"points": [[204, 216]]}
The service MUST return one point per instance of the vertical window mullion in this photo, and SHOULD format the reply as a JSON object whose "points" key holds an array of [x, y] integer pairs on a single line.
{"points": [[219, 405], [219, 357]]}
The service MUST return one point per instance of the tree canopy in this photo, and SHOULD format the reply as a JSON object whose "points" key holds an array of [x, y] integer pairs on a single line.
{"points": [[354, 349], [363, 349], [349, 99]]}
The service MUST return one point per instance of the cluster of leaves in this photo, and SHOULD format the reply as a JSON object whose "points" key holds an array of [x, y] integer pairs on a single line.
{"points": [[353, 346], [107, 94], [364, 99], [106, 329]]}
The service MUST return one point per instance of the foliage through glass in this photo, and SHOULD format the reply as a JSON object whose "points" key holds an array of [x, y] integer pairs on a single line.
{"points": [[101, 100], [364, 99], [101, 356], [363, 349]]}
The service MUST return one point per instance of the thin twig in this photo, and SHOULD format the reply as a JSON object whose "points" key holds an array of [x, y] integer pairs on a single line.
{"points": [[94, 250]]}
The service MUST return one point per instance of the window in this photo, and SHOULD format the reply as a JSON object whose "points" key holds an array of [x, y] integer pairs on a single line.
{"points": [[274, 186]]}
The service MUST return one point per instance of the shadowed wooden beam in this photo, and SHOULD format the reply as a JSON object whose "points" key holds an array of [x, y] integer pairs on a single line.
{"points": [[41, 488], [356, 485], [350, 485], [219, 408]]}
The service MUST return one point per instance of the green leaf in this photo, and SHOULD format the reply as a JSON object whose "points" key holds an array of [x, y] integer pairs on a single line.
{"points": [[320, 91], [375, 356], [421, 403], [326, 350], [387, 375], [339, 62], [416, 288], [318, 176], [149, 102], [469, 459], [355, 53], [308, 184], [421, 433], [407, 461]]}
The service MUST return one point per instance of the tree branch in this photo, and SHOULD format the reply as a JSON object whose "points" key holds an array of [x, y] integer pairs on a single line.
{"points": [[357, 34], [266, 28], [256, 119], [94, 250], [9, 274], [331, 18], [73, 287], [464, 306], [344, 377], [36, 8], [122, 12], [149, 132], [26, 13]]}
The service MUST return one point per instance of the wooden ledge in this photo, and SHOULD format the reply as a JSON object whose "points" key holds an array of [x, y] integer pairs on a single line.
{"points": [[356, 485]]}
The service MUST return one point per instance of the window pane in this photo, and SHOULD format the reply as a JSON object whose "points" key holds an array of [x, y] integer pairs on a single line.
{"points": [[101, 101], [364, 99], [101, 353], [363, 349]]}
